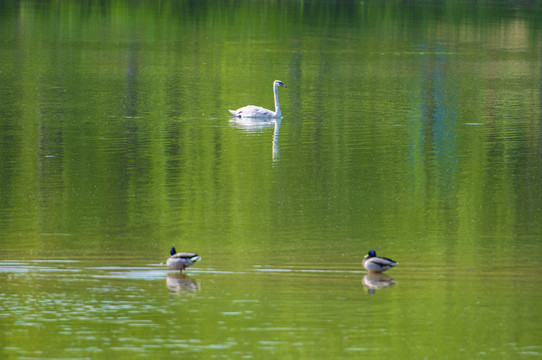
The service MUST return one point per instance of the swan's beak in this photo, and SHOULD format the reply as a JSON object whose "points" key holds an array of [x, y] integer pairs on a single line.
{"points": [[282, 85]]}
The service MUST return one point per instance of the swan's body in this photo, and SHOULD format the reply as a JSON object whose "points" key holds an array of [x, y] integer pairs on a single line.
{"points": [[180, 261], [377, 264], [251, 111]]}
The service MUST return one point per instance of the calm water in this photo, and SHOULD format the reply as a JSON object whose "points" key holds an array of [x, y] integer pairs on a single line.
{"points": [[412, 128]]}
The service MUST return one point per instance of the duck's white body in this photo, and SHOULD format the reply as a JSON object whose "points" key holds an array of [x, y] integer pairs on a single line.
{"points": [[377, 264], [251, 111], [180, 261]]}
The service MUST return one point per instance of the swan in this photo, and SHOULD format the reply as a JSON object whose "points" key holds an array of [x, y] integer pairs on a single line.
{"points": [[251, 111]]}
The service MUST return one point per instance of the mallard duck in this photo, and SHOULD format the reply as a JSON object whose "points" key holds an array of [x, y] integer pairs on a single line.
{"points": [[180, 261], [377, 264]]}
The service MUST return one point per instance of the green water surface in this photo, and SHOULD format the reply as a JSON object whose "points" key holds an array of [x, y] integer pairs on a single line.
{"points": [[411, 128]]}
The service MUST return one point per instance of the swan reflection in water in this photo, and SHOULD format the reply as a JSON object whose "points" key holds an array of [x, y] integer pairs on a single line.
{"points": [[180, 283], [258, 124], [376, 281]]}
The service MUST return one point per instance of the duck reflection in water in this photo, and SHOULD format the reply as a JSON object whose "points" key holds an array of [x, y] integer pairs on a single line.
{"points": [[376, 281], [180, 283]]}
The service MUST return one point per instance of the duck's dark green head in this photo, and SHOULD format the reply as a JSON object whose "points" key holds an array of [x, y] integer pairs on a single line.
{"points": [[371, 253], [173, 251]]}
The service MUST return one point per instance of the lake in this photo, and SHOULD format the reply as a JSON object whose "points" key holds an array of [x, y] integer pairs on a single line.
{"points": [[411, 128]]}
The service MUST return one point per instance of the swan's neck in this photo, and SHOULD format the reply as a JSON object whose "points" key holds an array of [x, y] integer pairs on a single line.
{"points": [[277, 105]]}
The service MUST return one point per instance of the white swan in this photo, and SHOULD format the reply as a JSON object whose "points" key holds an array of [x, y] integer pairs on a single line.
{"points": [[251, 111]]}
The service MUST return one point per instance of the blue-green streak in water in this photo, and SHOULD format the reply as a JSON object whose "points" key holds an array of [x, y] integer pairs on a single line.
{"points": [[411, 128]]}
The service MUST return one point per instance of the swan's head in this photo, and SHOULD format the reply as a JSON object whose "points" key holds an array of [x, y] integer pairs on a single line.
{"points": [[173, 251], [279, 83], [371, 254]]}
